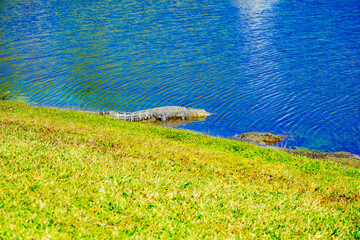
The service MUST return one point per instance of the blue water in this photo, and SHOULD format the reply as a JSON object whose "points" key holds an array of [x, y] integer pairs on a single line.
{"points": [[288, 67]]}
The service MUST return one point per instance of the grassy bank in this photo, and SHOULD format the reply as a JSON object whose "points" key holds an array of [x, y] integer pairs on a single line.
{"points": [[67, 174]]}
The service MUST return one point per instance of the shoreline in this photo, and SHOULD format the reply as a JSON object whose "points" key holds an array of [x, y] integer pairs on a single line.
{"points": [[341, 157], [272, 141]]}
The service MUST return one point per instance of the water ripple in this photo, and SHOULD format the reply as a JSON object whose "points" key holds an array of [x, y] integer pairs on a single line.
{"points": [[284, 67]]}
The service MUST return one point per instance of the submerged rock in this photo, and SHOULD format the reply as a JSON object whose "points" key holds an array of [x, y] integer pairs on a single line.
{"points": [[258, 138]]}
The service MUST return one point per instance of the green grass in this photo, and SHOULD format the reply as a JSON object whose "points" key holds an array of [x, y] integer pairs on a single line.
{"points": [[67, 174]]}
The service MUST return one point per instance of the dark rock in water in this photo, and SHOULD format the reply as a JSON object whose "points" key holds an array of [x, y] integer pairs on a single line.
{"points": [[258, 138]]}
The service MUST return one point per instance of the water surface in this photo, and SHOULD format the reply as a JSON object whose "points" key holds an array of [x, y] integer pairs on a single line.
{"points": [[288, 67]]}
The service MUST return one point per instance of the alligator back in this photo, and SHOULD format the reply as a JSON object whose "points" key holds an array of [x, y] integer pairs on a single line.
{"points": [[160, 113]]}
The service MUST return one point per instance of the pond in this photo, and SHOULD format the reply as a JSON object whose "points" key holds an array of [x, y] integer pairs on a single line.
{"points": [[286, 67]]}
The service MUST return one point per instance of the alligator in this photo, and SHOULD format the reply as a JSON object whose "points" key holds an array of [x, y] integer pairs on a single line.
{"points": [[160, 113]]}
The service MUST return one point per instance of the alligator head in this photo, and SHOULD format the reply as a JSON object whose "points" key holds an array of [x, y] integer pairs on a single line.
{"points": [[198, 113]]}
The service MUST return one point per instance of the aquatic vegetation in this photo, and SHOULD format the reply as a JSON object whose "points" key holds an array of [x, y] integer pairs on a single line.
{"points": [[67, 174]]}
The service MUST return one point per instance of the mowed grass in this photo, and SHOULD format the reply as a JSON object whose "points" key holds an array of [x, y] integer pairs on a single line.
{"points": [[67, 174]]}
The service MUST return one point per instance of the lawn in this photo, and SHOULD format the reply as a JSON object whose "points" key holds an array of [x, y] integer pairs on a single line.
{"points": [[67, 174]]}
